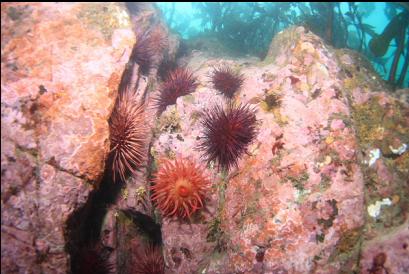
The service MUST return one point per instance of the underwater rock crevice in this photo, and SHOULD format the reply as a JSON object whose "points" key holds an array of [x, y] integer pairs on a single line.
{"points": [[84, 226], [322, 189], [106, 220]]}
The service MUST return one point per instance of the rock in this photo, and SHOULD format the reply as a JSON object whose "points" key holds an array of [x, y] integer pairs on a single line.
{"points": [[187, 243], [388, 253], [308, 196], [403, 95], [296, 202], [61, 66], [296, 206]]}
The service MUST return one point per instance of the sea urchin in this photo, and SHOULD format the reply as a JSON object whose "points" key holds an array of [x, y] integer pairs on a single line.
{"points": [[179, 82], [93, 259], [128, 135], [227, 133], [148, 48], [149, 262], [226, 81], [179, 188]]}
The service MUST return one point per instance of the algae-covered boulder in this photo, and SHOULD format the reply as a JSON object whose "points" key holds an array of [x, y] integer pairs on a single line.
{"points": [[301, 199], [60, 69], [319, 184]]}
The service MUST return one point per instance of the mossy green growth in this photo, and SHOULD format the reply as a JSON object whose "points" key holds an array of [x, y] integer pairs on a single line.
{"points": [[129, 229], [195, 116], [252, 206], [349, 240], [375, 125], [123, 219], [170, 154], [190, 99], [283, 40], [105, 17], [169, 122], [320, 237], [325, 183], [347, 250], [271, 101], [358, 73], [327, 223], [298, 182], [341, 116], [215, 231], [216, 234]]}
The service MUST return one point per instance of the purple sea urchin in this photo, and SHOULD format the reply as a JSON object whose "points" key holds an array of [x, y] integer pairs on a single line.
{"points": [[179, 188], [128, 135], [179, 82], [226, 81], [227, 133]]}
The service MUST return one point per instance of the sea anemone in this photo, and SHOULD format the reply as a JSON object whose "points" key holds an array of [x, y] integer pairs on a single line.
{"points": [[226, 81], [179, 82], [179, 188], [149, 262], [227, 134], [128, 135]]}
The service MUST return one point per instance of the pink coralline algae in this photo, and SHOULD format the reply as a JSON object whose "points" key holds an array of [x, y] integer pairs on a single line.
{"points": [[296, 201], [300, 168], [337, 124]]}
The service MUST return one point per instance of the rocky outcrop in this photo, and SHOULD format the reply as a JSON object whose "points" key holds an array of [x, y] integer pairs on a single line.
{"points": [[298, 202], [322, 189], [61, 66]]}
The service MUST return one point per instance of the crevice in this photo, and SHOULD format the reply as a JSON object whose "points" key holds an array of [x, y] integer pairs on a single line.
{"points": [[84, 228], [36, 153], [52, 162]]}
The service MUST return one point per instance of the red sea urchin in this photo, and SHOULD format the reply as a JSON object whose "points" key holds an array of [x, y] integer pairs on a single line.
{"points": [[93, 259], [227, 134], [128, 135], [179, 188], [226, 81], [179, 82], [148, 49], [149, 262]]}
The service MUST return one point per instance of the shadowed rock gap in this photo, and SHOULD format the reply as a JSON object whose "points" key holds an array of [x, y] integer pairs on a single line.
{"points": [[84, 227]]}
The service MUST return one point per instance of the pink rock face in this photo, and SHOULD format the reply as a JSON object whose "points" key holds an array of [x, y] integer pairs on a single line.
{"points": [[388, 254], [285, 209], [61, 65], [186, 241], [303, 199], [296, 202], [296, 205]]}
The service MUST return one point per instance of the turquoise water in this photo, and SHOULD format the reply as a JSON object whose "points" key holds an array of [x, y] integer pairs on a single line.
{"points": [[249, 27]]}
